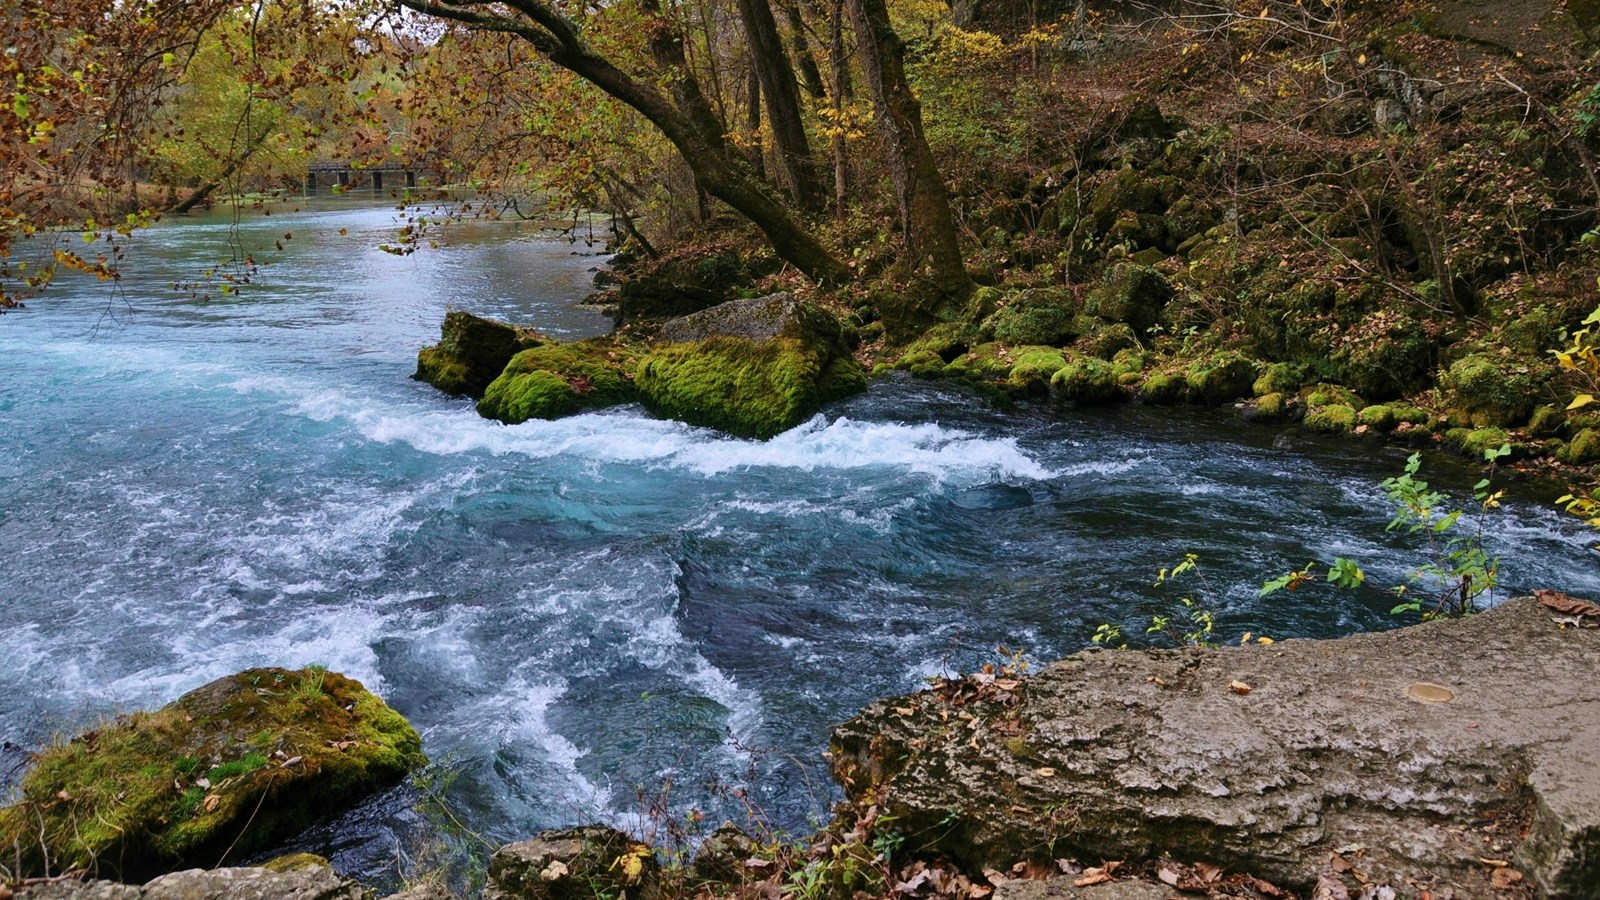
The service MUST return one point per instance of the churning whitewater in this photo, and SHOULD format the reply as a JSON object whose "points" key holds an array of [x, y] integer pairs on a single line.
{"points": [[574, 611]]}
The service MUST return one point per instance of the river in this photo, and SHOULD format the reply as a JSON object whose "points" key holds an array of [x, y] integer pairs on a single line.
{"points": [[574, 611]]}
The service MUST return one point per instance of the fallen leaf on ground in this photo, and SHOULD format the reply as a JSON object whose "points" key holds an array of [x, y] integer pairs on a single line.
{"points": [[1097, 875], [1504, 878], [910, 885], [1565, 603], [1329, 887], [1266, 887]]}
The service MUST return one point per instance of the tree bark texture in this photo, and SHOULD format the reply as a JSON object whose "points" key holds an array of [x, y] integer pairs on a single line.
{"points": [[932, 247], [771, 64]]}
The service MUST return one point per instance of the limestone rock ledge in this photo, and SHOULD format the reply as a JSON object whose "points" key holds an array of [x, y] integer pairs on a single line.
{"points": [[316, 882], [1291, 761]]}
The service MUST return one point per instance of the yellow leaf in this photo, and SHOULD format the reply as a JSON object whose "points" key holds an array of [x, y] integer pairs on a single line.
{"points": [[1264, 640], [1580, 401], [1361, 60]]}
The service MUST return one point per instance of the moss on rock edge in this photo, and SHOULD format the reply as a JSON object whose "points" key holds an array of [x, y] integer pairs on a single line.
{"points": [[743, 387], [224, 770], [558, 380]]}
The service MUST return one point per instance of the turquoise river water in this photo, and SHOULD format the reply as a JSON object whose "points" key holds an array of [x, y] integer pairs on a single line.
{"points": [[570, 611]]}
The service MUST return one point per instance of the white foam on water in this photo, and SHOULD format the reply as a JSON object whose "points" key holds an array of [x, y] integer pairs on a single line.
{"points": [[340, 638], [626, 435], [519, 715]]}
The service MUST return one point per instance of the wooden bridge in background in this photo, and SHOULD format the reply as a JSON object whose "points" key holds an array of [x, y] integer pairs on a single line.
{"points": [[345, 176]]}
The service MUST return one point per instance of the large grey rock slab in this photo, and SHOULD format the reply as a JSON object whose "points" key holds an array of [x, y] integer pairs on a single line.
{"points": [[760, 320], [244, 883], [1294, 761]]}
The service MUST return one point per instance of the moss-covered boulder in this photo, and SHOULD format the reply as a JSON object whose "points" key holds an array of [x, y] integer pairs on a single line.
{"points": [[1487, 390], [472, 351], [986, 361], [1379, 417], [1106, 340], [1035, 316], [1318, 395], [1131, 294], [1163, 388], [1583, 449], [558, 380], [1278, 378], [1274, 407], [1473, 443], [224, 770], [1087, 381], [1032, 368], [1336, 418], [752, 368], [1220, 378]]}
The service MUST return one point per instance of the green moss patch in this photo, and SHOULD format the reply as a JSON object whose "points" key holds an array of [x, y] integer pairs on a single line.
{"points": [[471, 352], [558, 380], [1032, 368], [226, 769], [743, 387], [1086, 381], [1037, 316], [1487, 390], [1219, 378], [1336, 417]]}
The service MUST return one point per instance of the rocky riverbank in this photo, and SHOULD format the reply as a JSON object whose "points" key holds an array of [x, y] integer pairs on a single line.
{"points": [[1448, 759]]}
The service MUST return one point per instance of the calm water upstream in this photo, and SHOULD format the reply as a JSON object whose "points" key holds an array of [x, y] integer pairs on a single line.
{"points": [[569, 610]]}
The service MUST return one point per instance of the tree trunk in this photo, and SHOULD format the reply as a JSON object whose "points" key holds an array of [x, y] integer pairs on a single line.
{"points": [[688, 123], [841, 89], [810, 75], [771, 64], [752, 115], [933, 250]]}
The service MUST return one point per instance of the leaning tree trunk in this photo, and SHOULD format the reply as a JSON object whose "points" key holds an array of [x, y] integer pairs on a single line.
{"points": [[932, 247], [685, 119], [778, 87]]}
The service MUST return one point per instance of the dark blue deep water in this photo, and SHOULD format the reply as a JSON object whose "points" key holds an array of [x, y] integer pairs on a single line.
{"points": [[571, 610]]}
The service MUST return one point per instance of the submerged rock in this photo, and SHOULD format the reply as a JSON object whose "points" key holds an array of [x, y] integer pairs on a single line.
{"points": [[752, 368], [472, 351], [1266, 759], [224, 770], [994, 496]]}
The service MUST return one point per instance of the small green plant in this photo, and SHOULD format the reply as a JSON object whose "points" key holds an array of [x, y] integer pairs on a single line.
{"points": [[1580, 360], [1190, 623], [1459, 573], [244, 765], [1343, 573]]}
